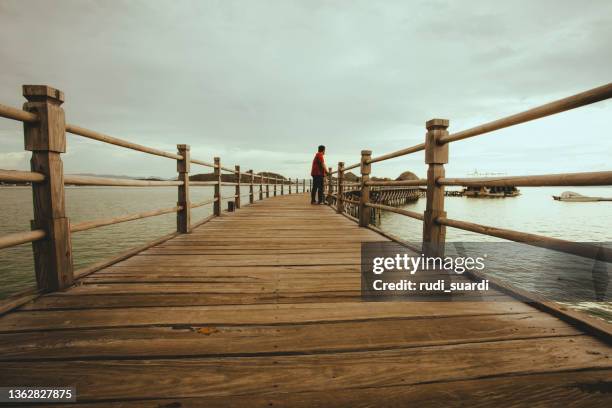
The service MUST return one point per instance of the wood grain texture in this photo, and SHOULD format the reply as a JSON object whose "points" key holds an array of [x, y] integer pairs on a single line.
{"points": [[262, 306], [183, 216], [91, 134], [47, 140], [580, 389], [222, 375], [436, 155]]}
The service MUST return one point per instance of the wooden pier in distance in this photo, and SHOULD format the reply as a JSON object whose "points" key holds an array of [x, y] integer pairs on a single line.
{"points": [[262, 308], [260, 305]]}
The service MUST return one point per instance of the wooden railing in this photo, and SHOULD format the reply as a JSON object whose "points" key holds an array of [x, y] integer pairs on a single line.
{"points": [[45, 136], [436, 148]]}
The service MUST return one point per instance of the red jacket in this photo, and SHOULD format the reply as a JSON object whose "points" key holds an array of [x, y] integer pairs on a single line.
{"points": [[318, 165]]}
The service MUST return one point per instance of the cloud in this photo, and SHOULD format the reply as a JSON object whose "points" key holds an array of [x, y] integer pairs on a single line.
{"points": [[15, 160], [263, 83]]}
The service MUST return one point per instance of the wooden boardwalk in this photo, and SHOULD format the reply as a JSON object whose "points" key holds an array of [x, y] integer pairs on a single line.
{"points": [[262, 308]]}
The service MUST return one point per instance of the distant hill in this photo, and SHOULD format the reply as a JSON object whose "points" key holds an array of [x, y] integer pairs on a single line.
{"points": [[407, 175], [231, 178], [120, 176], [112, 176], [270, 174], [351, 176]]}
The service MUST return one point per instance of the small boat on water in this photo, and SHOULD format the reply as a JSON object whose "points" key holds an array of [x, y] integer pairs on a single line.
{"points": [[493, 192], [578, 198]]}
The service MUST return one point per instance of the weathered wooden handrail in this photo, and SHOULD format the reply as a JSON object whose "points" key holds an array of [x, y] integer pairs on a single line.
{"points": [[399, 153], [88, 270], [202, 163], [18, 114], [575, 248], [597, 178], [227, 169], [396, 210], [18, 238], [352, 166], [202, 203], [21, 176], [45, 135], [91, 134], [87, 225], [436, 155], [575, 101], [348, 200], [107, 181]]}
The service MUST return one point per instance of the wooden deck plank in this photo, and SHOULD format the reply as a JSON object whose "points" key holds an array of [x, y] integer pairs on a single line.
{"points": [[250, 314], [211, 340], [575, 389], [226, 316], [190, 377]]}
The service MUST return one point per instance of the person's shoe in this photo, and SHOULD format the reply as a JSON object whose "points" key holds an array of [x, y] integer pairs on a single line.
{"points": [[312, 203]]}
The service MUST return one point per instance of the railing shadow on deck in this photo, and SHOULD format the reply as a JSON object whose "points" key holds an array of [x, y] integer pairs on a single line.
{"points": [[45, 131]]}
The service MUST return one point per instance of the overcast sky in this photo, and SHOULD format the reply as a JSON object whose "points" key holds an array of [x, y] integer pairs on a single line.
{"points": [[262, 83]]}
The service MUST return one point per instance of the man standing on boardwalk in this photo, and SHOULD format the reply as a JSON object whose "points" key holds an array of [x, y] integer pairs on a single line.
{"points": [[319, 170]]}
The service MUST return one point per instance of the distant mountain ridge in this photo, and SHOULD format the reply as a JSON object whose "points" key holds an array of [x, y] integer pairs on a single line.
{"points": [[231, 178], [120, 176]]}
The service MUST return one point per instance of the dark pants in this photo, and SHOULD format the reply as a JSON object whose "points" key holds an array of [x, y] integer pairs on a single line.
{"points": [[317, 187]]}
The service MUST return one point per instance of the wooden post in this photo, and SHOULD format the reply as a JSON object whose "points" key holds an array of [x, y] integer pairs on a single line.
{"points": [[275, 183], [183, 217], [340, 189], [289, 185], [237, 198], [217, 173], [436, 155], [46, 139], [251, 190], [364, 212], [330, 186], [283, 186], [324, 186], [303, 185], [260, 187], [267, 187]]}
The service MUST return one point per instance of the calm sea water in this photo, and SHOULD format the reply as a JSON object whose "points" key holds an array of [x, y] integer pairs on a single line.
{"points": [[86, 204], [547, 273], [534, 211]]}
